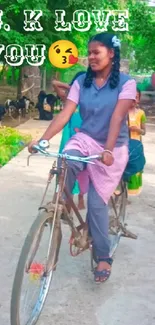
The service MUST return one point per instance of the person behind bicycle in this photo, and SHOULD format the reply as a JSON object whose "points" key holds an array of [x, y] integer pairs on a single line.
{"points": [[105, 96]]}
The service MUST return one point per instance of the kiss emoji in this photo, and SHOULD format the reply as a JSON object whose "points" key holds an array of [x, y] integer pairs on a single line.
{"points": [[73, 59], [63, 54]]}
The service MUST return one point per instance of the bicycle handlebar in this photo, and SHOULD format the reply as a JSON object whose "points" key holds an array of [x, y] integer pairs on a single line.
{"points": [[87, 159]]}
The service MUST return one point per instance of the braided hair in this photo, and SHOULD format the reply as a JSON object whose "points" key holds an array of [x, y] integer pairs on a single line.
{"points": [[112, 42]]}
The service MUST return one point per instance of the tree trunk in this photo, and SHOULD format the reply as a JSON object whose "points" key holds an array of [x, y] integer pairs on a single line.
{"points": [[44, 79], [31, 82], [19, 83], [13, 76], [57, 75]]}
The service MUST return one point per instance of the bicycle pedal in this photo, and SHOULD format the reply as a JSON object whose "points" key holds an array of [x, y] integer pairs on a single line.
{"points": [[128, 234]]}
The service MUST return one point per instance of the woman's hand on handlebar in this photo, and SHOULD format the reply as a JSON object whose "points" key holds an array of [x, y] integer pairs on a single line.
{"points": [[31, 144], [107, 158]]}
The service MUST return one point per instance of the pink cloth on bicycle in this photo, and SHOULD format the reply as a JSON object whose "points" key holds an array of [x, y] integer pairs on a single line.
{"points": [[104, 178]]}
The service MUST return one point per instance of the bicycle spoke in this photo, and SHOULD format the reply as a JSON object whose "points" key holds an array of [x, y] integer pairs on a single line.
{"points": [[117, 215]]}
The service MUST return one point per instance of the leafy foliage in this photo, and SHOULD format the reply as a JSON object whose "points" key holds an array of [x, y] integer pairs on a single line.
{"points": [[138, 44], [141, 35]]}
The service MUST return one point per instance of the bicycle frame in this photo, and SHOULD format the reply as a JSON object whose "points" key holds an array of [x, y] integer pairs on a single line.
{"points": [[65, 208], [79, 238]]}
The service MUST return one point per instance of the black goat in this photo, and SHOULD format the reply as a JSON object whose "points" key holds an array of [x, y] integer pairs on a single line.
{"points": [[2, 113], [21, 106]]}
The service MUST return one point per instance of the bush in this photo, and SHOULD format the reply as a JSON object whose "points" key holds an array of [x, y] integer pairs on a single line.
{"points": [[11, 142]]}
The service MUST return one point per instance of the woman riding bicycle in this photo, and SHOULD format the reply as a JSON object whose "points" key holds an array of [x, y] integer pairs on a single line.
{"points": [[105, 96]]}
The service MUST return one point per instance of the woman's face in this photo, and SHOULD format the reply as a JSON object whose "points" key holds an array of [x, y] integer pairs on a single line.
{"points": [[99, 56]]}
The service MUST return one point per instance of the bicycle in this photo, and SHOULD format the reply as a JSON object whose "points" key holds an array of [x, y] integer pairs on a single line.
{"points": [[49, 217]]}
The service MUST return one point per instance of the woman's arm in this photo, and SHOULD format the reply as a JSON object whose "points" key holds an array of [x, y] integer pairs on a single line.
{"points": [[124, 104], [143, 124], [56, 83], [121, 110], [143, 129], [61, 89], [60, 120], [56, 125]]}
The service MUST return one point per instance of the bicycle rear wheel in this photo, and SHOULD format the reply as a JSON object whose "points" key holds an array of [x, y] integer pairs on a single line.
{"points": [[117, 213], [37, 270]]}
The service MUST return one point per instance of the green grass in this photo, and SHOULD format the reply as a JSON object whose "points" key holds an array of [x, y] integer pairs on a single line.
{"points": [[11, 143]]}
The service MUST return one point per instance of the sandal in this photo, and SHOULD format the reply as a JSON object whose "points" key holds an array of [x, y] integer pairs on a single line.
{"points": [[102, 274]]}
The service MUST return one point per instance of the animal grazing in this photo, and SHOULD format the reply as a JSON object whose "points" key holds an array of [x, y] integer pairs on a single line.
{"points": [[20, 106]]}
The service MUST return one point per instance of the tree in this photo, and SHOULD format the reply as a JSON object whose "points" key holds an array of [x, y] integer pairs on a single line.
{"points": [[138, 44], [140, 39]]}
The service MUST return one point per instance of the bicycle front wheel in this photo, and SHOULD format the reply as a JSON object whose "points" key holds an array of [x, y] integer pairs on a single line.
{"points": [[34, 271]]}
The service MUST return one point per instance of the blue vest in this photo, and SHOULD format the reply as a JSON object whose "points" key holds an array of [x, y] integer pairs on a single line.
{"points": [[97, 105]]}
